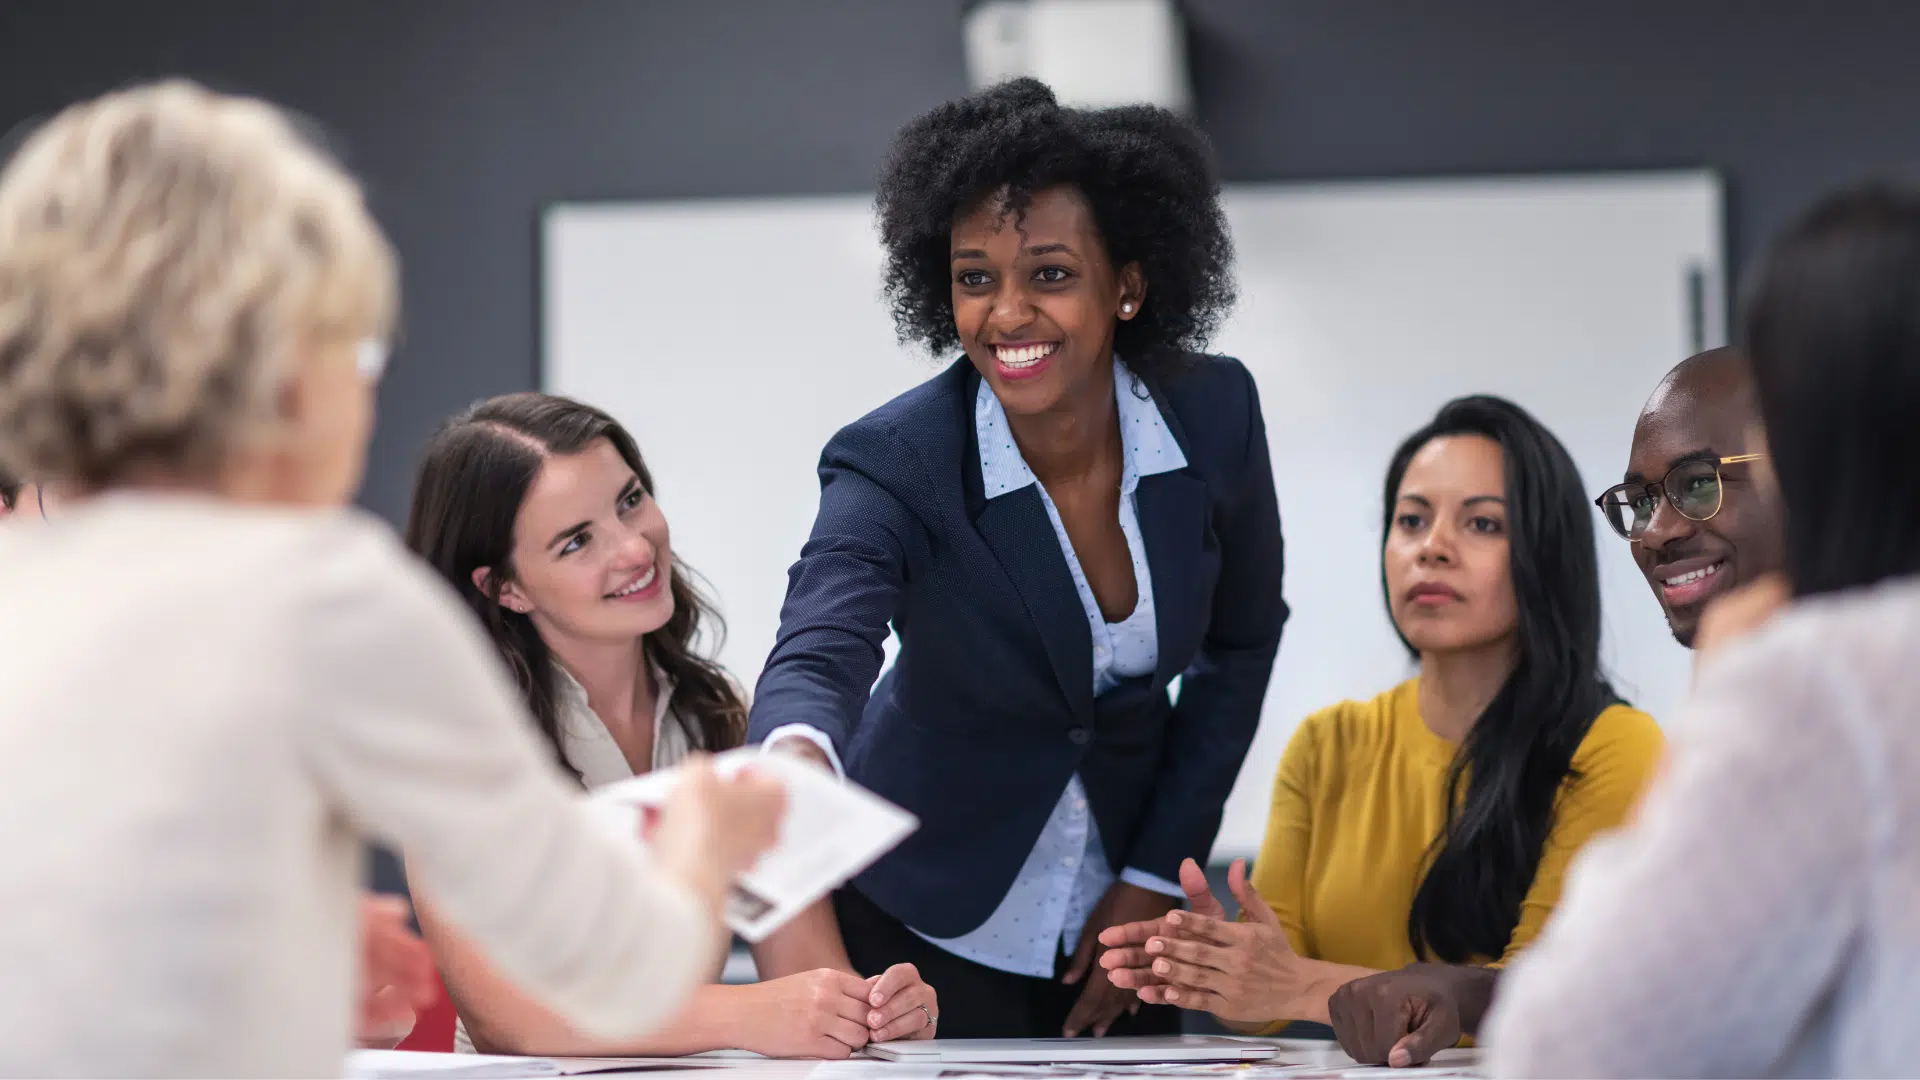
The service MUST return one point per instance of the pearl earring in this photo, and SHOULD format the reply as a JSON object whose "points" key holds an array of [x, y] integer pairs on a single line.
{"points": [[1126, 309]]}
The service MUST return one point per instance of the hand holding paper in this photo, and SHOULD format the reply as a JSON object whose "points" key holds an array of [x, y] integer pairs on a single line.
{"points": [[710, 830], [831, 831]]}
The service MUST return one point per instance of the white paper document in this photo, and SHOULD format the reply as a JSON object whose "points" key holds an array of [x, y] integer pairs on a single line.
{"points": [[833, 829], [1292, 1059], [415, 1065]]}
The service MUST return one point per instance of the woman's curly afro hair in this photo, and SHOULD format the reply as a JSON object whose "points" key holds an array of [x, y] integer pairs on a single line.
{"points": [[1147, 174]]}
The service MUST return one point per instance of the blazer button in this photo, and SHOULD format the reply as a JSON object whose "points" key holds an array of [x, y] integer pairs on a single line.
{"points": [[1080, 736]]}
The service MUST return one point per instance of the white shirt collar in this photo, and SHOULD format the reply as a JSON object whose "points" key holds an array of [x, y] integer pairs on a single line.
{"points": [[588, 746], [1147, 444]]}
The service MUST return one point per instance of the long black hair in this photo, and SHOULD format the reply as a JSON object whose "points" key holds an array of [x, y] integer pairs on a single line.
{"points": [[1831, 323], [1520, 750], [476, 473]]}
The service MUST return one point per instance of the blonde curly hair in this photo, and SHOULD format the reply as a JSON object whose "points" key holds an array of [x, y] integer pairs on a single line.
{"points": [[165, 254]]}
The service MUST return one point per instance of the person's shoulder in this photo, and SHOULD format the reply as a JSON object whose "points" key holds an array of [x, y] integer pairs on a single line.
{"points": [[913, 447], [267, 554], [1206, 389], [1365, 712], [1195, 376], [355, 568], [1876, 626], [1357, 723], [1621, 737], [330, 588], [352, 546], [1862, 645], [1215, 403], [920, 411], [370, 611], [921, 425]]}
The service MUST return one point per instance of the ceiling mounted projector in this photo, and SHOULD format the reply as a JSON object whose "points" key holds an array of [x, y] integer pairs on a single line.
{"points": [[1093, 53]]}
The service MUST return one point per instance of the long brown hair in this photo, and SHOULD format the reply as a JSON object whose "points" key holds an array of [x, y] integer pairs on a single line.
{"points": [[475, 475]]}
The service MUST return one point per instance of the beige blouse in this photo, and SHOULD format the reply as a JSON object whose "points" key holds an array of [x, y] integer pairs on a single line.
{"points": [[588, 747], [206, 709]]}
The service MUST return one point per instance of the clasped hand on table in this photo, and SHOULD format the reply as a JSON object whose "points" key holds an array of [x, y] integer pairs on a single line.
{"points": [[828, 1013], [1245, 973]]}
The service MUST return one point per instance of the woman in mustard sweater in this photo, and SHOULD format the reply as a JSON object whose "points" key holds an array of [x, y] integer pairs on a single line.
{"points": [[1435, 821]]}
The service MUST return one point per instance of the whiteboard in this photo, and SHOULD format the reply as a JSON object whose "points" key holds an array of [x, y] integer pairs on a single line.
{"points": [[734, 337]]}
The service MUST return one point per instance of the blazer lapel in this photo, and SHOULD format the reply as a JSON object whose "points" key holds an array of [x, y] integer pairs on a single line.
{"points": [[1021, 537], [1173, 511], [1173, 525], [1017, 529]]}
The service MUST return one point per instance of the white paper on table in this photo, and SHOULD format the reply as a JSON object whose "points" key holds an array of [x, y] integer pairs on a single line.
{"points": [[1298, 1059], [1272, 1071], [411, 1064], [870, 1069], [833, 829]]}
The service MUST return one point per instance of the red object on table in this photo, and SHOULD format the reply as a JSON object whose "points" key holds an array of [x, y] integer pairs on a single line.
{"points": [[433, 1029]]}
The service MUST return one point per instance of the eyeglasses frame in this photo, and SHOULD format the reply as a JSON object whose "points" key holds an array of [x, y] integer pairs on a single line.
{"points": [[1660, 486]]}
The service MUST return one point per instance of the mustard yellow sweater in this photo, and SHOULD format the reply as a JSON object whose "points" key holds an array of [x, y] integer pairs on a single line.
{"points": [[1360, 797]]}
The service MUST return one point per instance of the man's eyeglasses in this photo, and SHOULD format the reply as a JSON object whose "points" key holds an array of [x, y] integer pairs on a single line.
{"points": [[1694, 488]]}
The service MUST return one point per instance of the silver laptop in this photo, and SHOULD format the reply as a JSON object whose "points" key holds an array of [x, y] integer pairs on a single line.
{"points": [[1117, 1049]]}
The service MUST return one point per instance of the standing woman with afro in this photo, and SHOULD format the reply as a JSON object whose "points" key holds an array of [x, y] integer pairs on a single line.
{"points": [[1070, 517]]}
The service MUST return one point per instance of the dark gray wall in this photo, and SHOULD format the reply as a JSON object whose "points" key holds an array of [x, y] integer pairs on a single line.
{"points": [[465, 116], [1785, 97]]}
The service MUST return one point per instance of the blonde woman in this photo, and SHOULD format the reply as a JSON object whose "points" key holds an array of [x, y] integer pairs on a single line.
{"points": [[223, 680]]}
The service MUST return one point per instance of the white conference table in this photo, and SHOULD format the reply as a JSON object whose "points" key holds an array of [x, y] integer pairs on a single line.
{"points": [[1310, 1057]]}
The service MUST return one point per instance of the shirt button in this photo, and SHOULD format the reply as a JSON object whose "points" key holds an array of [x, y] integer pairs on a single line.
{"points": [[1080, 804], [1080, 736], [1067, 861]]}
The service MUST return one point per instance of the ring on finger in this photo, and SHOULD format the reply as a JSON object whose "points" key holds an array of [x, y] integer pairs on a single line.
{"points": [[931, 1019]]}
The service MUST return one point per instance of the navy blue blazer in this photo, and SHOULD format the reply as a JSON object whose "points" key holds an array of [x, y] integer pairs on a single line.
{"points": [[989, 708]]}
